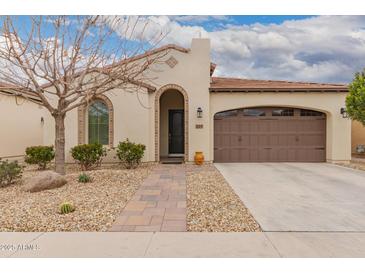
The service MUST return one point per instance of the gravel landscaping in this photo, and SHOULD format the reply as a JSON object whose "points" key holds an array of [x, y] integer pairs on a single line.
{"points": [[212, 205], [359, 165], [97, 203]]}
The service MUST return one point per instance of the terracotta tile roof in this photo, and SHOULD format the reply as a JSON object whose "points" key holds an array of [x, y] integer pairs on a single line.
{"points": [[237, 84]]}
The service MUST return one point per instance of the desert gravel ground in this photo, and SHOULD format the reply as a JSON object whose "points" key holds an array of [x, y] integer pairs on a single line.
{"points": [[212, 205], [97, 203], [355, 165]]}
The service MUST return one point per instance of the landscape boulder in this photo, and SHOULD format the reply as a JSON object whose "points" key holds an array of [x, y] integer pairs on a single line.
{"points": [[45, 180]]}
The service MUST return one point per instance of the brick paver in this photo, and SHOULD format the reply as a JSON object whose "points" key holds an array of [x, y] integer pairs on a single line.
{"points": [[158, 205]]}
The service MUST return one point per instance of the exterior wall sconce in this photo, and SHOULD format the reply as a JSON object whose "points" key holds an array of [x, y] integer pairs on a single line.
{"points": [[42, 120], [344, 113], [199, 112]]}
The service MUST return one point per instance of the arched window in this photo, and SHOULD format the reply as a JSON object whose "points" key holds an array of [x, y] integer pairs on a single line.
{"points": [[98, 121]]}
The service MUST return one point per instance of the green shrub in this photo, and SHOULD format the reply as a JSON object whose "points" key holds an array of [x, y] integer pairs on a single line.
{"points": [[9, 172], [88, 155], [39, 155], [130, 153], [66, 208], [84, 178]]}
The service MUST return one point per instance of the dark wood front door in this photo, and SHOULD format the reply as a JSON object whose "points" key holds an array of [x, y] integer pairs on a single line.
{"points": [[176, 131], [271, 134]]}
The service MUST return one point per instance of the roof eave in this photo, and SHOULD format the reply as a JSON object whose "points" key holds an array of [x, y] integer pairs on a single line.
{"points": [[23, 94], [278, 89]]}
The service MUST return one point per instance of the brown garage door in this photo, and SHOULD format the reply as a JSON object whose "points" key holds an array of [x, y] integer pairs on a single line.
{"points": [[269, 135]]}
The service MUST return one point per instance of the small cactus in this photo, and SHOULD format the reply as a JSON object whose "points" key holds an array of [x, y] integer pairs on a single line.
{"points": [[84, 178], [66, 208]]}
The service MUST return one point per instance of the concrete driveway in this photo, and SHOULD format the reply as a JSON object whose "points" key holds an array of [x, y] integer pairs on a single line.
{"points": [[300, 196]]}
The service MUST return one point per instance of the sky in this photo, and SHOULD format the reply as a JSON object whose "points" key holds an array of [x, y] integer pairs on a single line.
{"points": [[298, 48], [327, 49]]}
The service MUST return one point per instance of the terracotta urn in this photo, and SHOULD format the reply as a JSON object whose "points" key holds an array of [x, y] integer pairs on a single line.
{"points": [[199, 158]]}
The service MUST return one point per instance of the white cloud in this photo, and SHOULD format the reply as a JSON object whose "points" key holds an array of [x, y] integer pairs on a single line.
{"points": [[318, 49], [321, 49]]}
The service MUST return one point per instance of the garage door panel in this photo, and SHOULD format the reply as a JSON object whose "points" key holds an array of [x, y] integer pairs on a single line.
{"points": [[218, 125], [275, 125], [244, 155], [263, 126], [291, 154], [310, 155], [282, 126], [263, 154], [294, 125], [254, 140], [269, 138], [226, 140], [292, 140], [253, 155], [274, 155], [273, 140], [244, 126], [245, 140], [223, 154], [263, 140], [302, 154], [253, 126], [235, 125], [234, 140], [225, 127], [235, 155]]}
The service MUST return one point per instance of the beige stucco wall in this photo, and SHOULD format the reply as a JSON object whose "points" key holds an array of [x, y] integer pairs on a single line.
{"points": [[170, 99], [338, 137], [131, 120], [20, 126], [357, 135]]}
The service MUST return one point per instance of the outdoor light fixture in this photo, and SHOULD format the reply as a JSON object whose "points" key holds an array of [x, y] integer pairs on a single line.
{"points": [[199, 112], [344, 113]]}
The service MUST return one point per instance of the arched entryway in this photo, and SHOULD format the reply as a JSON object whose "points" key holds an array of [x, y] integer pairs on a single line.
{"points": [[270, 134], [171, 123]]}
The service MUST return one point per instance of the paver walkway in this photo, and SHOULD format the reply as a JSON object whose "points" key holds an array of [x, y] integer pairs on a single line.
{"points": [[158, 205]]}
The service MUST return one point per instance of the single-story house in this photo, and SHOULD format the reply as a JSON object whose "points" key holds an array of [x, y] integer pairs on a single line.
{"points": [[187, 109]]}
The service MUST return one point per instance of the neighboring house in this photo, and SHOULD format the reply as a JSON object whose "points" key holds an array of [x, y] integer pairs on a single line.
{"points": [[357, 136], [187, 109], [20, 123]]}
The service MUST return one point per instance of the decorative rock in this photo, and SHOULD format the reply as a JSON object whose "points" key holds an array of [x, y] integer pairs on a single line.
{"points": [[212, 205], [45, 180], [98, 203]]}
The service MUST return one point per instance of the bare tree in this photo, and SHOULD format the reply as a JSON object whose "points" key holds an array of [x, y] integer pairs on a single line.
{"points": [[67, 61]]}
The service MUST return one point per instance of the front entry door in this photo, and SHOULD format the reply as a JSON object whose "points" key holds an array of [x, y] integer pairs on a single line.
{"points": [[176, 131]]}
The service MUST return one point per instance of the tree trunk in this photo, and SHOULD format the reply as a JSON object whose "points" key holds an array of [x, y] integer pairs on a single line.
{"points": [[60, 144]]}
